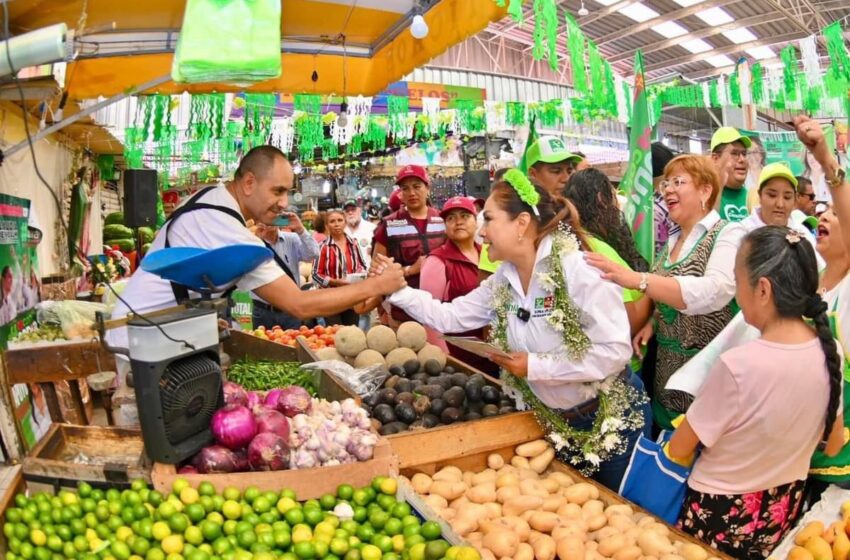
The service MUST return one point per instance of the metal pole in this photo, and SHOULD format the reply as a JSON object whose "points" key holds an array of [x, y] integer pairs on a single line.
{"points": [[55, 127]]}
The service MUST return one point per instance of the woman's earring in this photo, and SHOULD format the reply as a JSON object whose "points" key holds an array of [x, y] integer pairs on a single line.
{"points": [[703, 205], [519, 238]]}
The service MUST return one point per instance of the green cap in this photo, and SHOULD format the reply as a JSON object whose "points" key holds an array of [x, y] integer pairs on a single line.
{"points": [[811, 222], [774, 170], [549, 149], [729, 135]]}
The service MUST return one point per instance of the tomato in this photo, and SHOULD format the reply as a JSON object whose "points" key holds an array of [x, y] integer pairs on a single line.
{"points": [[320, 330]]}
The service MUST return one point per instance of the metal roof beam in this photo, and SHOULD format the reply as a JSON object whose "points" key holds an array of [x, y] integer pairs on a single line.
{"points": [[730, 49], [669, 16]]}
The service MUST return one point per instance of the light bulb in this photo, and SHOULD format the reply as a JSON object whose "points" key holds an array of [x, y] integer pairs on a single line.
{"points": [[342, 120], [583, 11], [418, 27], [326, 186]]}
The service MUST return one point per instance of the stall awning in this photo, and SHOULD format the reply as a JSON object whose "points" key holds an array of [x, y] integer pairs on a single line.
{"points": [[378, 47]]}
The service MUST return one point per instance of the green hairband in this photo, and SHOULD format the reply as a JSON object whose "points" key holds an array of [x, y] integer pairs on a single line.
{"points": [[524, 189]]}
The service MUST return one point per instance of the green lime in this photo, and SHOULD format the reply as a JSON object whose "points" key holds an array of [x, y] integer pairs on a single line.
{"points": [[365, 533], [376, 483], [141, 512], [262, 504], [113, 495], [246, 538], [251, 494], [435, 550], [155, 554], [339, 547], [210, 530], [193, 535], [87, 505], [97, 494], [360, 497], [114, 523], [313, 516], [138, 485], [270, 517], [393, 526], [412, 540], [349, 526], [207, 503], [305, 550], [383, 542], [288, 493], [145, 529], [282, 538], [371, 552], [352, 554], [54, 543], [221, 546], [199, 555], [417, 551], [231, 493], [165, 510], [81, 543], [68, 550], [179, 485], [378, 519], [84, 489], [360, 514], [140, 546], [386, 502], [216, 518], [178, 522], [155, 498], [294, 516], [231, 509], [328, 502], [401, 510], [431, 530], [229, 527], [345, 492], [321, 548], [120, 550], [206, 488], [127, 515], [195, 512], [242, 526], [101, 512]]}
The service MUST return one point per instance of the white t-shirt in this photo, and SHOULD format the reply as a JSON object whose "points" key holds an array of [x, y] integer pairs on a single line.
{"points": [[207, 229], [363, 235]]}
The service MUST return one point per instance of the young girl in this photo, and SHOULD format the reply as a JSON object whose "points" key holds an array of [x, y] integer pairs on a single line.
{"points": [[765, 405]]}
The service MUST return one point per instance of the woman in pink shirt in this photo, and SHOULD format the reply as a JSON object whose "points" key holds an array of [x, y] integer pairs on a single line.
{"points": [[766, 405]]}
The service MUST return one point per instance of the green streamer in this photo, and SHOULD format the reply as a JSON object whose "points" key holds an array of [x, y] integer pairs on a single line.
{"points": [[514, 9], [309, 135], [330, 149], [757, 83], [398, 107], [610, 91], [308, 103], [735, 89], [713, 94], [546, 30], [515, 114], [470, 117], [789, 72], [835, 45], [259, 112], [597, 74], [575, 44]]}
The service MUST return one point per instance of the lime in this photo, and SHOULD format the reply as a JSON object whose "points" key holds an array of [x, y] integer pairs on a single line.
{"points": [[305, 550], [165, 510], [386, 502], [81, 543], [294, 516], [120, 550], [282, 539], [113, 495], [328, 502], [383, 542], [378, 519], [178, 486], [189, 496], [410, 530], [140, 546], [88, 505], [417, 552], [155, 554], [360, 514], [345, 492], [262, 504], [371, 552], [270, 516], [431, 530], [288, 493], [68, 550], [229, 527], [179, 522], [393, 527], [411, 540], [242, 526], [84, 489], [401, 510], [193, 535], [251, 494], [388, 486], [360, 497], [38, 538], [322, 548], [195, 512], [353, 554], [141, 511], [231, 509], [301, 533], [145, 529], [210, 530], [313, 516], [285, 504], [365, 533], [221, 546], [155, 498], [231, 493], [435, 550], [398, 543], [173, 544], [160, 530], [246, 538], [339, 547], [200, 555], [54, 543]]}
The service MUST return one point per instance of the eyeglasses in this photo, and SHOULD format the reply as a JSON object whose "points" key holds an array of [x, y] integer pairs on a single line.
{"points": [[738, 154], [811, 196], [674, 183]]}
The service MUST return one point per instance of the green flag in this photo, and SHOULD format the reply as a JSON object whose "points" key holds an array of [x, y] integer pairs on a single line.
{"points": [[532, 137], [637, 182]]}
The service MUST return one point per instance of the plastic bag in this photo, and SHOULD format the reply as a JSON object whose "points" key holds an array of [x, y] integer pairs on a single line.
{"points": [[75, 317], [362, 381], [228, 41]]}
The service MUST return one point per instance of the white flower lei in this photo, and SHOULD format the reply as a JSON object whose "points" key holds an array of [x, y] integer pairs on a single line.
{"points": [[585, 449]]}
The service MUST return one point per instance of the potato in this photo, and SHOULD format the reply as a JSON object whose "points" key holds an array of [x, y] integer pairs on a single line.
{"points": [[659, 528], [485, 553], [553, 503], [619, 509], [644, 521], [580, 493], [475, 537], [495, 461], [448, 514], [570, 548], [540, 463], [532, 448], [628, 553], [524, 552], [421, 483], [467, 478], [506, 493], [550, 484], [813, 529], [488, 475], [476, 511], [493, 510], [671, 557], [653, 544], [435, 502], [450, 473], [569, 511], [596, 522], [527, 474], [463, 525], [518, 525], [459, 503], [544, 547], [563, 478], [606, 532], [519, 505], [840, 545], [509, 479], [519, 462], [503, 543], [570, 530], [448, 489], [621, 523], [819, 548], [592, 508], [483, 493], [610, 545], [691, 551], [544, 521], [533, 488]]}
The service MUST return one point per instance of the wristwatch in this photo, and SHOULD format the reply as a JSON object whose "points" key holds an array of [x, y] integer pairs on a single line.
{"points": [[837, 180], [644, 282]]}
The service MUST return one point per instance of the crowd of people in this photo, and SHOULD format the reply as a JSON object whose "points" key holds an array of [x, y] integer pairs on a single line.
{"points": [[585, 331]]}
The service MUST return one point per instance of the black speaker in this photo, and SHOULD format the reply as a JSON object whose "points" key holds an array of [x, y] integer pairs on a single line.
{"points": [[477, 183], [140, 194]]}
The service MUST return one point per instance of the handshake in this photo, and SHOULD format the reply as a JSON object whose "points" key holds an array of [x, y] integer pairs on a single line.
{"points": [[387, 275]]}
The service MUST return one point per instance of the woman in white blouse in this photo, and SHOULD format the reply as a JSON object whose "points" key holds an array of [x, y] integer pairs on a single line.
{"points": [[693, 283], [564, 332]]}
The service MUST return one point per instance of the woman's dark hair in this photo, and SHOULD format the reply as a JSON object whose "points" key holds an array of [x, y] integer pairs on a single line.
{"points": [[319, 223], [554, 210], [592, 194], [792, 272]]}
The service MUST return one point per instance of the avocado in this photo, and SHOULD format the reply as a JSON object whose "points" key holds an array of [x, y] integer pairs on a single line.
{"points": [[403, 385], [404, 398], [421, 405], [372, 399], [423, 377], [432, 367], [507, 410], [384, 414], [437, 406], [459, 379], [443, 381], [449, 370], [429, 420], [431, 391], [393, 428], [454, 397], [412, 366], [405, 413], [450, 416], [489, 410], [388, 396], [473, 391], [391, 382], [490, 394], [396, 370], [471, 416]]}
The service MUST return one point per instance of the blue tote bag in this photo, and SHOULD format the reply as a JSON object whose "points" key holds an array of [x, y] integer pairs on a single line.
{"points": [[653, 481]]}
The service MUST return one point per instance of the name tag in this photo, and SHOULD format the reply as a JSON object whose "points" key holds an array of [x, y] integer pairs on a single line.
{"points": [[405, 229], [543, 306], [436, 227]]}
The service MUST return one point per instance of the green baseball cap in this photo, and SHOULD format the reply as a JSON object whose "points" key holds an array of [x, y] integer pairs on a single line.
{"points": [[549, 149], [811, 222], [729, 135], [773, 170]]}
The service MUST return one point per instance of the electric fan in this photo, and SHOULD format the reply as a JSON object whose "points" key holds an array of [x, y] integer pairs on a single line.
{"points": [[174, 354]]}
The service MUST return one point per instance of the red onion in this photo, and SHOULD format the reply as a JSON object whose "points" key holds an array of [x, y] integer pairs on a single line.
{"points": [[268, 452], [272, 398], [214, 459], [254, 400], [241, 456], [269, 420], [187, 469], [233, 426], [234, 394], [294, 400]]}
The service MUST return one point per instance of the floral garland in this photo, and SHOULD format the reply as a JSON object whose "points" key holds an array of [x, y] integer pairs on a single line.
{"points": [[618, 411]]}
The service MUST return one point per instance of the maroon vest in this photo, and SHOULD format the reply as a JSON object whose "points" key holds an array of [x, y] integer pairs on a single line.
{"points": [[462, 278]]}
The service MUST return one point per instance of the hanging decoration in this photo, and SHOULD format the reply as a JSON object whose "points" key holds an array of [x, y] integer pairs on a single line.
{"points": [[757, 83], [398, 108], [788, 55], [514, 9], [470, 116], [546, 30], [575, 44], [734, 89], [838, 56], [515, 114], [259, 111]]}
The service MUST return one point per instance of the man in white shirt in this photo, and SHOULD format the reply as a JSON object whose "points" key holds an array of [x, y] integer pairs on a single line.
{"points": [[216, 217], [359, 229]]}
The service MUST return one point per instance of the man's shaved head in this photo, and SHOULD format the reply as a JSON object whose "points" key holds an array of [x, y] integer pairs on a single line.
{"points": [[259, 161]]}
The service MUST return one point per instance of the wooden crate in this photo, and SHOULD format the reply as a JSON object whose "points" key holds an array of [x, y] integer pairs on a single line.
{"points": [[11, 483], [242, 345], [461, 439], [478, 462], [307, 483], [97, 454]]}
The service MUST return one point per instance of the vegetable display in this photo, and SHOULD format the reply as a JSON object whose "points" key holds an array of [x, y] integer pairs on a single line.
{"points": [[316, 338], [200, 524], [523, 510], [819, 541], [41, 333], [263, 375], [282, 429]]}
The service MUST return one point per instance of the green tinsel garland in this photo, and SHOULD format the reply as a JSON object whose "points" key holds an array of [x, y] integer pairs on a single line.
{"points": [[398, 108], [514, 9], [597, 74], [713, 94], [330, 149], [259, 111], [515, 114], [757, 83], [838, 55], [308, 103], [610, 91], [376, 135], [470, 117], [575, 44], [309, 135], [735, 89], [546, 29], [789, 72]]}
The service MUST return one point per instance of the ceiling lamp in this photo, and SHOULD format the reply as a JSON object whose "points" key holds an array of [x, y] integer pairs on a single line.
{"points": [[583, 11], [418, 27]]}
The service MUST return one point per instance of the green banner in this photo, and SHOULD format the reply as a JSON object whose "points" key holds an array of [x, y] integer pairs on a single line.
{"points": [[637, 182], [532, 137]]}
